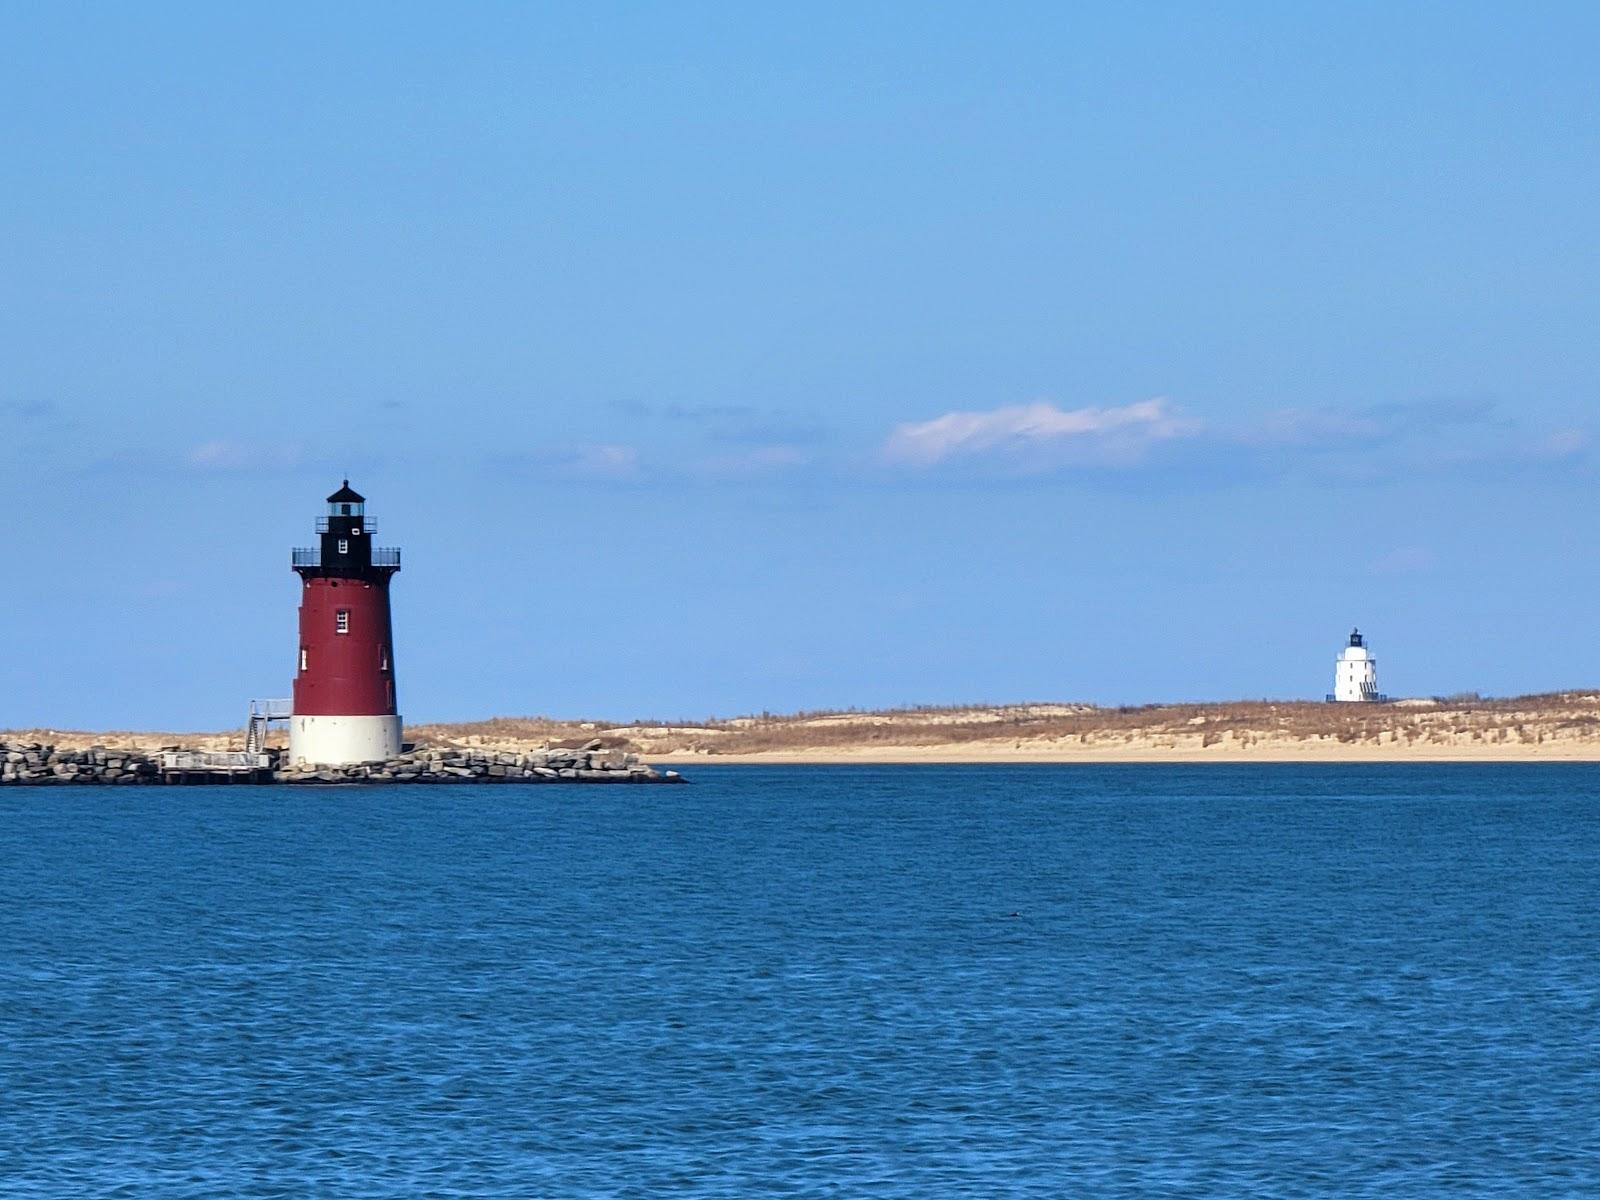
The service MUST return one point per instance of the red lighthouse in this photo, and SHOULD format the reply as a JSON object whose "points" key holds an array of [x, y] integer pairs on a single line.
{"points": [[344, 699]]}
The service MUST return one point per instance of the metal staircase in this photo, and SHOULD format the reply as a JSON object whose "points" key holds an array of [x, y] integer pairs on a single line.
{"points": [[262, 714]]}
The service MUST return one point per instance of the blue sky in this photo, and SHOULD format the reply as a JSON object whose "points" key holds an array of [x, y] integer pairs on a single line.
{"points": [[708, 359]]}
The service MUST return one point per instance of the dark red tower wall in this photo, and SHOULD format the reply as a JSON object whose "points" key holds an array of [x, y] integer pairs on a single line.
{"points": [[345, 674]]}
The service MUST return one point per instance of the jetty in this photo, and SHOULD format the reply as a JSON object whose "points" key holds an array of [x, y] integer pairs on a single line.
{"points": [[43, 765]]}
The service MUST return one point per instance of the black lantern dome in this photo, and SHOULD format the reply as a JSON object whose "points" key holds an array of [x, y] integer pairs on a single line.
{"points": [[346, 548]]}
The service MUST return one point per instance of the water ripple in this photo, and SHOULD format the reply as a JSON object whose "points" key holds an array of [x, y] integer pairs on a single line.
{"points": [[909, 982]]}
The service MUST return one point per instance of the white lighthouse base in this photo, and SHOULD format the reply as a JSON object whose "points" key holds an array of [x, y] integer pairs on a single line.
{"points": [[343, 741]]}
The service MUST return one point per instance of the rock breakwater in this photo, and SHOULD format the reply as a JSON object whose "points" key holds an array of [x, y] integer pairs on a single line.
{"points": [[40, 764], [589, 765], [46, 764]]}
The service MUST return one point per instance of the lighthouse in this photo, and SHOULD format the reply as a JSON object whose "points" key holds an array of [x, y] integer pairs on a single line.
{"points": [[1355, 673], [344, 701]]}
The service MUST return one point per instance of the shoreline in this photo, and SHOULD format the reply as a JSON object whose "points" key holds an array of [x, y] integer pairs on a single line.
{"points": [[1131, 757], [1551, 727]]}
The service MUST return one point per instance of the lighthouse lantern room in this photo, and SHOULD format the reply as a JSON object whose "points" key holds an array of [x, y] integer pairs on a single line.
{"points": [[344, 695], [1355, 673]]}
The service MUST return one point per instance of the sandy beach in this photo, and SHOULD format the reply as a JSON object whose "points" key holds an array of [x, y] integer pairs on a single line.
{"points": [[1563, 726], [1285, 753]]}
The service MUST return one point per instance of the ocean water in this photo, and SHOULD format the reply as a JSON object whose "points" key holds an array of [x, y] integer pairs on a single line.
{"points": [[1053, 981]]}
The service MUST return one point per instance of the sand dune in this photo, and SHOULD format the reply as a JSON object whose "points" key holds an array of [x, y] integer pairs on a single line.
{"points": [[1556, 726]]}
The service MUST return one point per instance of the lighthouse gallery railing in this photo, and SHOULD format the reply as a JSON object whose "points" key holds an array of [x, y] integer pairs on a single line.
{"points": [[362, 523], [382, 556]]}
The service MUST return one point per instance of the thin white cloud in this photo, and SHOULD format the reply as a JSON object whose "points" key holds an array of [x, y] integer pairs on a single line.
{"points": [[600, 460], [223, 454], [1313, 428], [1106, 436], [607, 461], [1565, 444]]}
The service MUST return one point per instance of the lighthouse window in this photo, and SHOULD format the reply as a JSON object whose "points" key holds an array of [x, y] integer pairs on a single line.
{"points": [[341, 621], [344, 546], [302, 658]]}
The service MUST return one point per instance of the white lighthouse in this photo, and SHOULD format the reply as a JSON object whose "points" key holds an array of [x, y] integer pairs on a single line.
{"points": [[1355, 673]]}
